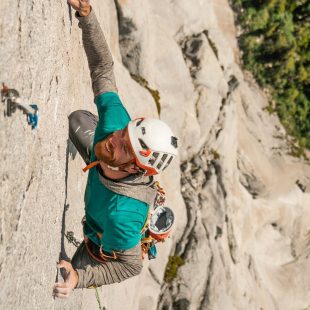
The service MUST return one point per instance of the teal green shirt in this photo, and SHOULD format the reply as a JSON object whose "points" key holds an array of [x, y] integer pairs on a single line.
{"points": [[118, 218]]}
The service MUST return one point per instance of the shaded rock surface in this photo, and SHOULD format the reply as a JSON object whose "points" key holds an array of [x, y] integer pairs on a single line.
{"points": [[241, 202]]}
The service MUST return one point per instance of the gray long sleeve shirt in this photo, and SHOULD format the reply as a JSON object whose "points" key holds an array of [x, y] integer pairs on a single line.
{"points": [[99, 58], [128, 262]]}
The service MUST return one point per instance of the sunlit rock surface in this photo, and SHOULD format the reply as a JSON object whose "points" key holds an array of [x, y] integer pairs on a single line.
{"points": [[241, 202]]}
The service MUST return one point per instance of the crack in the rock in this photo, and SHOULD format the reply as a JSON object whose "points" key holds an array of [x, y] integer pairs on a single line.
{"points": [[24, 197], [153, 92], [181, 304], [19, 209], [164, 299], [153, 275], [62, 253], [212, 44], [219, 175], [191, 46], [206, 300], [191, 239], [232, 245], [253, 271], [191, 219]]}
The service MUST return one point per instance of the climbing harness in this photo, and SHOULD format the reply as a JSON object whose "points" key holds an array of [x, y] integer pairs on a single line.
{"points": [[101, 257], [156, 229], [10, 97]]}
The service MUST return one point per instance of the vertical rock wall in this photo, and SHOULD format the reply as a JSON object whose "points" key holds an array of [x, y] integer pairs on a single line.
{"points": [[240, 199]]}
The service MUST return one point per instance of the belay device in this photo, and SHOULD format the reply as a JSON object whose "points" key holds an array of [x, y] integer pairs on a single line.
{"points": [[10, 97]]}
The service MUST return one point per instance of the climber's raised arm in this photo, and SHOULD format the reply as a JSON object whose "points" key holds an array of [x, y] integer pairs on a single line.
{"points": [[100, 60]]}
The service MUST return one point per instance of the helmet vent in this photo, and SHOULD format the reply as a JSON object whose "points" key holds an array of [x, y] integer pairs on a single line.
{"points": [[153, 158], [143, 130], [139, 122], [143, 145], [168, 163], [162, 160], [174, 141]]}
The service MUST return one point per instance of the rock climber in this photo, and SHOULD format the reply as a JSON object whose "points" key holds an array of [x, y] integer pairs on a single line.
{"points": [[122, 156]]}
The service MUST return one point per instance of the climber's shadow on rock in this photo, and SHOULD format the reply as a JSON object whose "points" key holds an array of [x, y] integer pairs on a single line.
{"points": [[69, 152]]}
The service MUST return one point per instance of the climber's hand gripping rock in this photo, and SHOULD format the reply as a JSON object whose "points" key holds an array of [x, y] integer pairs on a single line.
{"points": [[63, 289], [82, 6]]}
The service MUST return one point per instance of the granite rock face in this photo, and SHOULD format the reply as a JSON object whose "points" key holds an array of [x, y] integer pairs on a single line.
{"points": [[241, 201]]}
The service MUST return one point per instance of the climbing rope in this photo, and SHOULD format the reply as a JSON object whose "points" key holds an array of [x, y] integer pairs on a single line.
{"points": [[98, 299]]}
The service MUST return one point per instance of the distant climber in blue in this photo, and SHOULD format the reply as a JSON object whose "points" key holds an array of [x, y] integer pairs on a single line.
{"points": [[122, 156]]}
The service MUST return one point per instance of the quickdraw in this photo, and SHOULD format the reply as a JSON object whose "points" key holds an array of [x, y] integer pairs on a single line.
{"points": [[10, 97], [71, 239], [148, 247]]}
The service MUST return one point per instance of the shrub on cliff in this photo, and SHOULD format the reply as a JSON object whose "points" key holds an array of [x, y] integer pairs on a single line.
{"points": [[275, 45]]}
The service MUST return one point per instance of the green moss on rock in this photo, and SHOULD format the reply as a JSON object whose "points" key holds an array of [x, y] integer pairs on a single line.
{"points": [[172, 267], [154, 93]]}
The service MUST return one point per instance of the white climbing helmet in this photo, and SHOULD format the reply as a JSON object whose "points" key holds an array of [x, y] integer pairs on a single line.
{"points": [[153, 143]]}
